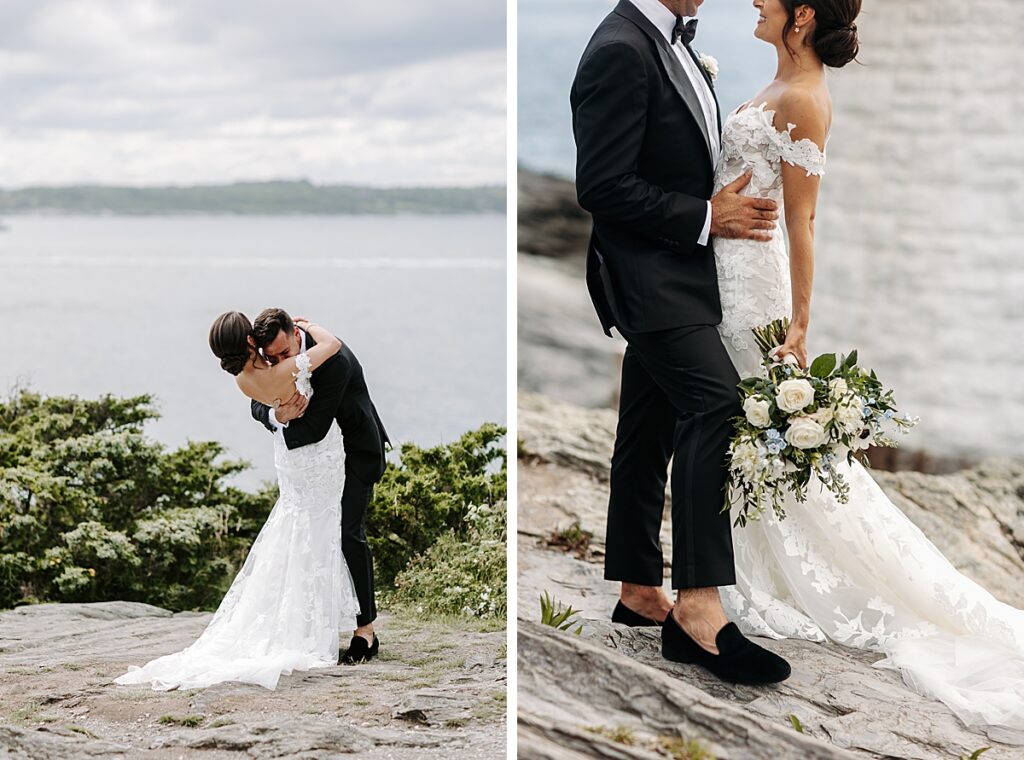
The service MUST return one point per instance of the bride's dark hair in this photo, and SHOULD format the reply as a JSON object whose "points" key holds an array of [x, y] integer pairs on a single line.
{"points": [[835, 38], [229, 341]]}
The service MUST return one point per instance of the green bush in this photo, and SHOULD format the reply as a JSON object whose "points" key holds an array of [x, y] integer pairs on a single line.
{"points": [[461, 573], [90, 509], [429, 495]]}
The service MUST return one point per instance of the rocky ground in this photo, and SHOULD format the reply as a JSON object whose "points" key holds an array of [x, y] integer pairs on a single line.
{"points": [[608, 694], [436, 688]]}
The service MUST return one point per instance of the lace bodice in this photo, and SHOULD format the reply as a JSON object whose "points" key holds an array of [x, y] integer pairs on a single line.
{"points": [[312, 473], [753, 277], [750, 140]]}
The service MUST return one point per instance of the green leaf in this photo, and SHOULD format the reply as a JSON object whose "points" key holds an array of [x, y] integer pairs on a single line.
{"points": [[796, 723], [822, 366], [851, 360]]}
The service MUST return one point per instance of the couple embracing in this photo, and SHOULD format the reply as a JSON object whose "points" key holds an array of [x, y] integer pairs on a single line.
{"points": [[686, 257], [309, 573]]}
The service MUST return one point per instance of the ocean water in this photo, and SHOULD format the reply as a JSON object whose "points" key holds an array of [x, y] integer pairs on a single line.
{"points": [[553, 35], [123, 305]]}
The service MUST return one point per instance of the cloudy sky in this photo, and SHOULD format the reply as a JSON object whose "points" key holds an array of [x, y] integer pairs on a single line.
{"points": [[147, 92]]}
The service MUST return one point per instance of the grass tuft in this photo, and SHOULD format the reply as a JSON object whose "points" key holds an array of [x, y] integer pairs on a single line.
{"points": [[557, 615], [572, 539], [189, 721]]}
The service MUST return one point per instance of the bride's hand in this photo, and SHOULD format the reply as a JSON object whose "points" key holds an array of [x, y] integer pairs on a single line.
{"points": [[796, 344]]}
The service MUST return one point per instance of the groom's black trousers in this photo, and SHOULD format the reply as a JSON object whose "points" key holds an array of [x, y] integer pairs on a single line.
{"points": [[677, 397], [355, 500]]}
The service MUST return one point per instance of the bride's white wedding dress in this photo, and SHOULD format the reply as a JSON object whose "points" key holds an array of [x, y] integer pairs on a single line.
{"points": [[860, 574], [286, 607]]}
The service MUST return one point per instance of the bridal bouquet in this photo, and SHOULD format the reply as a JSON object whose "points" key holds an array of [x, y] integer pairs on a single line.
{"points": [[801, 422]]}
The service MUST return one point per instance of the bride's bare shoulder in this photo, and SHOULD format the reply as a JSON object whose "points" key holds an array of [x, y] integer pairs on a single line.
{"points": [[253, 383], [807, 107]]}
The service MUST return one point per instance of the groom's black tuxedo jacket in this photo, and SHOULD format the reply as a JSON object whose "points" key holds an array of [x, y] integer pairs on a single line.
{"points": [[339, 396], [643, 170]]}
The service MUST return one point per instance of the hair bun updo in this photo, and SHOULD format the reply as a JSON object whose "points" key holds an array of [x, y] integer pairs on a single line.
{"points": [[836, 46], [234, 363], [229, 341]]}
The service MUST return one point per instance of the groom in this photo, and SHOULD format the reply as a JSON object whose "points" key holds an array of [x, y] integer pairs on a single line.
{"points": [[648, 138], [339, 396]]}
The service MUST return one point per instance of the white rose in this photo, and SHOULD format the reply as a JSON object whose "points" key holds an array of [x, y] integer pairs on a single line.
{"points": [[805, 433], [757, 411], [839, 388], [794, 395]]}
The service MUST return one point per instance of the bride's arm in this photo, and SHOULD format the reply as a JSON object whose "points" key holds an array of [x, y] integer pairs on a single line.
{"points": [[800, 199], [326, 344], [279, 383]]}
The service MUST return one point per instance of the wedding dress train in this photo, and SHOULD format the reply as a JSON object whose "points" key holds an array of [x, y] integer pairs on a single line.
{"points": [[286, 607], [861, 573]]}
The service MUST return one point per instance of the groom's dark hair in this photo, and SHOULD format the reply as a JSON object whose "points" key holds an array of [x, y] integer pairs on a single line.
{"points": [[268, 324]]}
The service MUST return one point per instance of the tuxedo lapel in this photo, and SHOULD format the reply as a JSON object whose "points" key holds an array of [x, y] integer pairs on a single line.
{"points": [[711, 86], [673, 68]]}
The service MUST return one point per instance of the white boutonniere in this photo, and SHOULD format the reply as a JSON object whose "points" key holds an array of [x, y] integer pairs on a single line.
{"points": [[710, 65]]}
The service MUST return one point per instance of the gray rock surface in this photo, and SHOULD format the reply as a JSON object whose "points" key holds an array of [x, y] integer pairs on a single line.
{"points": [[57, 699], [562, 351], [976, 517], [550, 221]]}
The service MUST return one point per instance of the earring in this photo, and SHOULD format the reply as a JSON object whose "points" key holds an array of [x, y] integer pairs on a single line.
{"points": [[798, 30]]}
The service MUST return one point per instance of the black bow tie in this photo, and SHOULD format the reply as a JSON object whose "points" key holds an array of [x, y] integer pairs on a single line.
{"points": [[684, 30]]}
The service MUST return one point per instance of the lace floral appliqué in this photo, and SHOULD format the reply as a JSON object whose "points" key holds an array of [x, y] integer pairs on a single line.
{"points": [[303, 375]]}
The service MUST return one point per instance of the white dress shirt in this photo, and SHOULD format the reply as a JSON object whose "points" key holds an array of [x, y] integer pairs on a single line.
{"points": [[302, 349], [665, 21]]}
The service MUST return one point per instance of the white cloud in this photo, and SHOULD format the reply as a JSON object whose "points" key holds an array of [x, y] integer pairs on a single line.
{"points": [[148, 92]]}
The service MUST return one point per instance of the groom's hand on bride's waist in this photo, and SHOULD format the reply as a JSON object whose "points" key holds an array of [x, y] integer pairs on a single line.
{"points": [[291, 409], [742, 216]]}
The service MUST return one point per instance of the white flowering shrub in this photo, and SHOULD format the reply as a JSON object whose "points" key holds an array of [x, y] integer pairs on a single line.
{"points": [[429, 493], [91, 509], [463, 572]]}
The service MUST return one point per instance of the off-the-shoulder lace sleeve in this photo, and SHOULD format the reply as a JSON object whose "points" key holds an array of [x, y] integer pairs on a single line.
{"points": [[804, 153], [302, 375]]}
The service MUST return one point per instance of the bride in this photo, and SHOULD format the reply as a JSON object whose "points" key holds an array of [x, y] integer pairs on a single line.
{"points": [[287, 605], [860, 574]]}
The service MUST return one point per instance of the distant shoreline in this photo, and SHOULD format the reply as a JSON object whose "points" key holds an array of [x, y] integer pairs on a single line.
{"points": [[284, 198]]}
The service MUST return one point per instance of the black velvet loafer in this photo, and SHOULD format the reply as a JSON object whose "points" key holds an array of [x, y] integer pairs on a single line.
{"points": [[626, 616], [359, 651], [739, 660]]}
